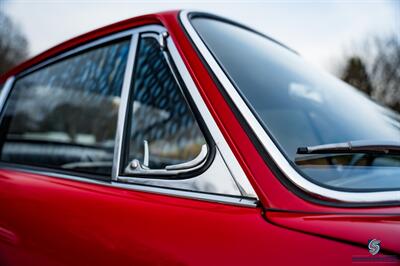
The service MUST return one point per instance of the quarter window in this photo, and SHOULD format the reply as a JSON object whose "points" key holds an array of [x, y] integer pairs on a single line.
{"points": [[162, 130], [64, 115]]}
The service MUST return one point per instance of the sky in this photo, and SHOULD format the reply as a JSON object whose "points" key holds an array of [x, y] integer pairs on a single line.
{"points": [[321, 31]]}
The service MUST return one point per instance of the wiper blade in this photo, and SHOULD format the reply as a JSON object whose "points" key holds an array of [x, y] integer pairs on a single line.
{"points": [[359, 146]]}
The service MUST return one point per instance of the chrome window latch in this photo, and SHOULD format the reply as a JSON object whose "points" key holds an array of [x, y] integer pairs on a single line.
{"points": [[136, 165], [162, 40]]}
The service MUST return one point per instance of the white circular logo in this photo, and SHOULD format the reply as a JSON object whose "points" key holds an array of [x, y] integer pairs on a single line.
{"points": [[374, 246]]}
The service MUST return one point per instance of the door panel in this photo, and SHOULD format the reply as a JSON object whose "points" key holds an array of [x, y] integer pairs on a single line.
{"points": [[54, 221]]}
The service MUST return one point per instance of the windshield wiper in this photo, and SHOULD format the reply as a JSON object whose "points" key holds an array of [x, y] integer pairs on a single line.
{"points": [[359, 146]]}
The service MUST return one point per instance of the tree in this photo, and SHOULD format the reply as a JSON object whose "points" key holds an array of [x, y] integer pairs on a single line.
{"points": [[13, 44], [385, 69], [374, 68], [356, 75]]}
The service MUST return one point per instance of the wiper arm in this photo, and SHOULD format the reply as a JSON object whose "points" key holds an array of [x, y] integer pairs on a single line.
{"points": [[359, 146]]}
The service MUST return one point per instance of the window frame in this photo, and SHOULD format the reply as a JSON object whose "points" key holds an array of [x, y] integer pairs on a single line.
{"points": [[163, 173], [219, 155], [10, 83], [271, 153]]}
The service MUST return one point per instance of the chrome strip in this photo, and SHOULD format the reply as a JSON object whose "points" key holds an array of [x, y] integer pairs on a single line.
{"points": [[123, 106], [228, 156], [216, 179], [79, 49], [239, 201], [269, 145], [192, 163], [6, 91]]}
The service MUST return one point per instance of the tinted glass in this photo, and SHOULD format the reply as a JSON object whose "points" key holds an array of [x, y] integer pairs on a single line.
{"points": [[300, 106], [65, 115], [159, 113]]}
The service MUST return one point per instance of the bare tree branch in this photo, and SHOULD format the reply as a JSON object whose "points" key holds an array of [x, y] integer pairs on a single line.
{"points": [[13, 44]]}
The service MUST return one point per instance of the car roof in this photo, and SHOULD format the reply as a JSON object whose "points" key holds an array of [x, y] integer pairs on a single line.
{"points": [[162, 18]]}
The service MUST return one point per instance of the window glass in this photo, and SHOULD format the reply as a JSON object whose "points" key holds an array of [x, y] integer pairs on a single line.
{"points": [[300, 106], [159, 113], [65, 115]]}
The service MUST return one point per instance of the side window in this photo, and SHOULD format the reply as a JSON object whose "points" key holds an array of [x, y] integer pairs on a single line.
{"points": [[162, 131], [64, 115]]}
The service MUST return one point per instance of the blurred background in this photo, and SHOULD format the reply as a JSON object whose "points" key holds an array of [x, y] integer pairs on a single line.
{"points": [[357, 41]]}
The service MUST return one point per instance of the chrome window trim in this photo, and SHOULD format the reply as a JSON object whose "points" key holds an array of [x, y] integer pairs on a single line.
{"points": [[230, 160], [240, 192], [5, 91], [123, 107], [267, 142], [81, 48], [216, 179], [225, 199]]}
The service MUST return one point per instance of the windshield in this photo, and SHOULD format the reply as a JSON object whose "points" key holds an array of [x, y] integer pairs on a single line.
{"points": [[300, 106]]}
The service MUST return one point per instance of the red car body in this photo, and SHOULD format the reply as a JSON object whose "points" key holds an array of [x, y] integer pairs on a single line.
{"points": [[46, 220]]}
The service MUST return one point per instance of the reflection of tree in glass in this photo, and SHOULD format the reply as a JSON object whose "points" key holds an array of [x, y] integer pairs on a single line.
{"points": [[13, 44], [160, 113], [355, 74], [64, 115], [374, 67], [78, 96]]}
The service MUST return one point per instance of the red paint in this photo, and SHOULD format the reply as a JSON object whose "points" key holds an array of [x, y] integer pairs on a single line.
{"points": [[90, 36], [349, 227], [51, 221], [64, 222]]}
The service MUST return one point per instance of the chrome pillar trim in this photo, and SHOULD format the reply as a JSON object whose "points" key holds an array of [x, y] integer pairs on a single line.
{"points": [[227, 155], [81, 48], [216, 179], [200, 158], [6, 91], [126, 85], [267, 142], [225, 199]]}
